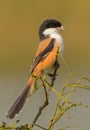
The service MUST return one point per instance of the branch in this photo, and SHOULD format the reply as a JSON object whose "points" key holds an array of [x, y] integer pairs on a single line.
{"points": [[41, 107]]}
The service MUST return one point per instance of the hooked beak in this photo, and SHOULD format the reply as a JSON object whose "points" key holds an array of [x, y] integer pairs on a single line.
{"points": [[62, 28]]}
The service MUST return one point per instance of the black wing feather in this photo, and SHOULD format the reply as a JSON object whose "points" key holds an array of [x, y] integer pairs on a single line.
{"points": [[42, 55]]}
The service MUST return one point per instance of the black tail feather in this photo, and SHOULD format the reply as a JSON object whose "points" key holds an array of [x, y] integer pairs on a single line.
{"points": [[18, 104]]}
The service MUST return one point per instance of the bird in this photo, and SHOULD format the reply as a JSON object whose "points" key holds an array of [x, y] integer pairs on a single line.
{"points": [[45, 58]]}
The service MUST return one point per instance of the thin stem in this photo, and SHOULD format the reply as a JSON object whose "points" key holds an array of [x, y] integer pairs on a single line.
{"points": [[41, 107]]}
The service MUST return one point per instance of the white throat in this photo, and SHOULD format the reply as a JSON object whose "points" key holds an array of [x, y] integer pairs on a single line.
{"points": [[55, 33]]}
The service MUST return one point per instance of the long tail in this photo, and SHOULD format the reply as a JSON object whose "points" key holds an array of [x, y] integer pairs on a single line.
{"points": [[20, 101]]}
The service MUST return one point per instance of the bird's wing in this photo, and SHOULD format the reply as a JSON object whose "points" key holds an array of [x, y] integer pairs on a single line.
{"points": [[44, 49]]}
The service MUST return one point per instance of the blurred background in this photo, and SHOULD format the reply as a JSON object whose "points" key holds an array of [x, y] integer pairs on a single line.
{"points": [[19, 23]]}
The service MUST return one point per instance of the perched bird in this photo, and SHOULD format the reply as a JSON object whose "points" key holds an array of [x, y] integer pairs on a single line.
{"points": [[45, 58]]}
